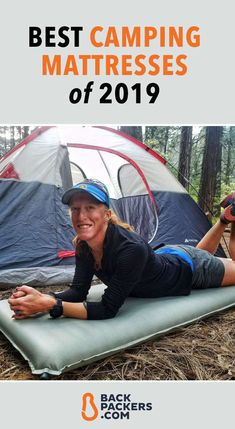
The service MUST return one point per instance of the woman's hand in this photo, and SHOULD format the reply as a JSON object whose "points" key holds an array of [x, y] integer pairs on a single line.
{"points": [[26, 301], [18, 292]]}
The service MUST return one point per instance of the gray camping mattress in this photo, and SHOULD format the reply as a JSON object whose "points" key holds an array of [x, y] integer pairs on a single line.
{"points": [[55, 346]]}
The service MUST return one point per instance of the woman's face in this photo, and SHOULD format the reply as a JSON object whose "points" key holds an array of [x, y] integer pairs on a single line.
{"points": [[89, 219]]}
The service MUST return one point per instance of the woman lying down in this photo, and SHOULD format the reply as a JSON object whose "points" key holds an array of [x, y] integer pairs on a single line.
{"points": [[124, 262]]}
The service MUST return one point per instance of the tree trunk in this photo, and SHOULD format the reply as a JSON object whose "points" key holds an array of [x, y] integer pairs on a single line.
{"points": [[24, 132], [211, 169], [12, 137], [228, 171], [166, 137], [135, 132], [185, 156]]}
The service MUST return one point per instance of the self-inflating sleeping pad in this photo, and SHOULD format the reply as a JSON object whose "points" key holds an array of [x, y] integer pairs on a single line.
{"points": [[56, 345]]}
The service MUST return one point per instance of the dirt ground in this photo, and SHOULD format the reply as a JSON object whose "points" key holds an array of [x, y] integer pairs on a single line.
{"points": [[202, 351]]}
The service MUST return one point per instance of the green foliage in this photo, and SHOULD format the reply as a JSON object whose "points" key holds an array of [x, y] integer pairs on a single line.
{"points": [[10, 136], [166, 141]]}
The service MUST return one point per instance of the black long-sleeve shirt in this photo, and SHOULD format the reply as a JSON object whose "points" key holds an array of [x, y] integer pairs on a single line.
{"points": [[129, 267]]}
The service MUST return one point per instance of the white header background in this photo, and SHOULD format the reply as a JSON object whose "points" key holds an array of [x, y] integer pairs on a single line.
{"points": [[205, 95]]}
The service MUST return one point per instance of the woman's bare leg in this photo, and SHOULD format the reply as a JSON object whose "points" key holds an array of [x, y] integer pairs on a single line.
{"points": [[229, 274], [211, 240], [210, 243], [232, 242]]}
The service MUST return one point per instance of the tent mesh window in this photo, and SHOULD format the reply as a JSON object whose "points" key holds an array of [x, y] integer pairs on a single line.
{"points": [[143, 215], [77, 173]]}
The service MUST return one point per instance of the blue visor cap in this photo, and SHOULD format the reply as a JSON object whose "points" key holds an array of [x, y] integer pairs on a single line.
{"points": [[95, 188]]}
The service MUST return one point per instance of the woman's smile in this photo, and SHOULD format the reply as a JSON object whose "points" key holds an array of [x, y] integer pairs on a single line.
{"points": [[84, 226]]}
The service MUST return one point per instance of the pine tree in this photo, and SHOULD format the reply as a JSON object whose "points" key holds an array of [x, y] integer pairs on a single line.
{"points": [[185, 156], [210, 183]]}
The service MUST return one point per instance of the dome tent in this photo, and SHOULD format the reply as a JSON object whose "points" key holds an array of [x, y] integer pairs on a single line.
{"points": [[36, 232]]}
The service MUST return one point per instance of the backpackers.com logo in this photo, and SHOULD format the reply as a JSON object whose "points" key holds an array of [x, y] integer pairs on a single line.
{"points": [[111, 406]]}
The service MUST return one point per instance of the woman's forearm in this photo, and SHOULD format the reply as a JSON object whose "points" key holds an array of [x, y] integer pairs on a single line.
{"points": [[72, 294], [74, 309]]}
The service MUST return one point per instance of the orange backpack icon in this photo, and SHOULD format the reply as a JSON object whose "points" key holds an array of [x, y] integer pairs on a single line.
{"points": [[88, 401]]}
